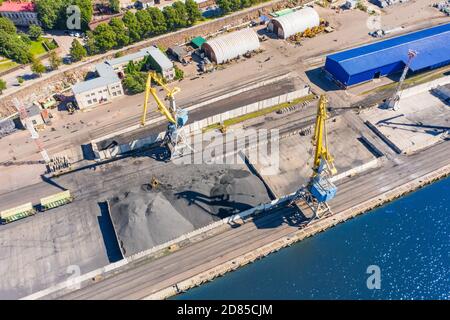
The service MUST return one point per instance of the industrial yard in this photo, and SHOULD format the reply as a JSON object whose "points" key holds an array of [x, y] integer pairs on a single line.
{"points": [[151, 194]]}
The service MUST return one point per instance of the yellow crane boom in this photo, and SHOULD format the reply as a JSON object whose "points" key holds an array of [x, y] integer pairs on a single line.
{"points": [[320, 140], [168, 113]]}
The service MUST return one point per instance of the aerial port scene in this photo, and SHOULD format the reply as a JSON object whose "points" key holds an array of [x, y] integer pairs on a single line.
{"points": [[225, 150]]}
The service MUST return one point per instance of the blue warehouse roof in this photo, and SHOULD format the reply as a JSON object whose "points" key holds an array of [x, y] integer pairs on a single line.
{"points": [[432, 45]]}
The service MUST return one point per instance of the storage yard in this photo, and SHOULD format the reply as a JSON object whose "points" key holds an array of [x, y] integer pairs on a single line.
{"points": [[132, 224]]}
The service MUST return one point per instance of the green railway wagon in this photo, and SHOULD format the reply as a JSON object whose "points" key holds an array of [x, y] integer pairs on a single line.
{"points": [[17, 213], [56, 200]]}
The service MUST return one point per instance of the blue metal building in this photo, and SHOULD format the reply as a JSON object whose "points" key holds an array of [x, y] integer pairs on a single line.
{"points": [[389, 56]]}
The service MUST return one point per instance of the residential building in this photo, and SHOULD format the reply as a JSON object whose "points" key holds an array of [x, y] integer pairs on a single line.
{"points": [[21, 14], [99, 90]]}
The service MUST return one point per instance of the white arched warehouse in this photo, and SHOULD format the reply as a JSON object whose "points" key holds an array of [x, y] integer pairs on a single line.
{"points": [[231, 45], [292, 23]]}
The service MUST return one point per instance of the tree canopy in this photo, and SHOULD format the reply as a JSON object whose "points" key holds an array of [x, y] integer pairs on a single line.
{"points": [[53, 13], [77, 51], [14, 47], [34, 31], [114, 5], [7, 25]]}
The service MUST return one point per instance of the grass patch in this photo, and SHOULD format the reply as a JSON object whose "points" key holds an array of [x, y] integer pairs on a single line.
{"points": [[412, 81], [7, 64], [36, 48], [258, 113], [202, 21]]}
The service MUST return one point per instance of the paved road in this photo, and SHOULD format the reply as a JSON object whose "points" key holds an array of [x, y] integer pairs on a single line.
{"points": [[147, 278]]}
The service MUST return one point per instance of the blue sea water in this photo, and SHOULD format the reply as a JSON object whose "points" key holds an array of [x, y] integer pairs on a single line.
{"points": [[408, 239]]}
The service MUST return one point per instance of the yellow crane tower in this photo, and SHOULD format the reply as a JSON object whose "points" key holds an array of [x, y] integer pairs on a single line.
{"points": [[170, 95], [174, 139], [319, 189], [322, 157]]}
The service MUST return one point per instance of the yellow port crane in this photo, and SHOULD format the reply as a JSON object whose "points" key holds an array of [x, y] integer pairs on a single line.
{"points": [[322, 156], [174, 139], [320, 188], [170, 95]]}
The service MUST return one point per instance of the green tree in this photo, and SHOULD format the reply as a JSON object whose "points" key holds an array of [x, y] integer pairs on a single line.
{"points": [[171, 17], [86, 8], [114, 5], [104, 37], [158, 20], [53, 13], [49, 12], [13, 47], [235, 5], [145, 23], [77, 51], [2, 85], [182, 14], [132, 25], [35, 32], [37, 66], [7, 25], [55, 60], [246, 3], [224, 5], [135, 82], [179, 74], [89, 44], [121, 32], [194, 13], [20, 80]]}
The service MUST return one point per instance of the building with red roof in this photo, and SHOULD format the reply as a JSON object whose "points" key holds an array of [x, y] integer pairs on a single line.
{"points": [[20, 13]]}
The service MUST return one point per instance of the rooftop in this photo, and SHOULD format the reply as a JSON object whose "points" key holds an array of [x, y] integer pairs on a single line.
{"points": [[33, 110], [198, 41], [106, 77], [160, 58], [432, 46], [129, 57], [8, 6]]}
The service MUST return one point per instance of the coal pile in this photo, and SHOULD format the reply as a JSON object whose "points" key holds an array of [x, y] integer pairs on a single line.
{"points": [[182, 200]]}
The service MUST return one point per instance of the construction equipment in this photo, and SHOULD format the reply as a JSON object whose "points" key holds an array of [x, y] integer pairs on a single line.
{"points": [[392, 103], [70, 107], [320, 188], [174, 140]]}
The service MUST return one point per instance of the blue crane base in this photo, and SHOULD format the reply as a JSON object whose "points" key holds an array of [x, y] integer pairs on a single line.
{"points": [[322, 189]]}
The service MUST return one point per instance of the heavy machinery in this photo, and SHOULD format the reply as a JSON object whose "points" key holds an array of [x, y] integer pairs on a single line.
{"points": [[320, 189], [392, 102], [174, 140]]}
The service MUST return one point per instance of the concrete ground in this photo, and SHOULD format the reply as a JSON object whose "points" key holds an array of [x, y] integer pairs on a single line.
{"points": [[49, 247], [421, 121], [296, 154]]}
